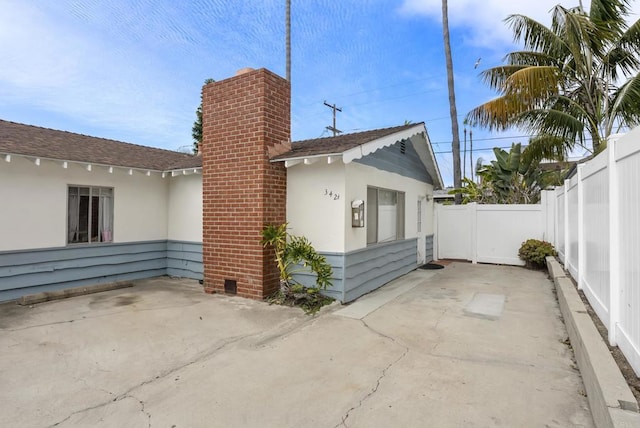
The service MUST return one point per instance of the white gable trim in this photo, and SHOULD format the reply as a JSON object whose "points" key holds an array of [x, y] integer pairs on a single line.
{"points": [[386, 141], [416, 135], [428, 158]]}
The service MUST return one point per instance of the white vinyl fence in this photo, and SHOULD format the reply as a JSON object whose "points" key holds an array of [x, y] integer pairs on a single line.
{"points": [[598, 238], [491, 233], [594, 223]]}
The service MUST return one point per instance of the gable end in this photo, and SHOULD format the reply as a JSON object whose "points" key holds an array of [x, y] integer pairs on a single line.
{"points": [[400, 158]]}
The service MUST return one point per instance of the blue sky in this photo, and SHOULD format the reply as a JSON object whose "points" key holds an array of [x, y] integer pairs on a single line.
{"points": [[132, 70]]}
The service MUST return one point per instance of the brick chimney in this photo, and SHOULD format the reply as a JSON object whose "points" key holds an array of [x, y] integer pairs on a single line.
{"points": [[243, 119]]}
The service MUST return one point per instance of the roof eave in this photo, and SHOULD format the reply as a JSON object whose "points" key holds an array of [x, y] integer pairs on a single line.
{"points": [[8, 157], [308, 160]]}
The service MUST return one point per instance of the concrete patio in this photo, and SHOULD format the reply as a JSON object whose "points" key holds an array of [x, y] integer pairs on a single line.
{"points": [[465, 346]]}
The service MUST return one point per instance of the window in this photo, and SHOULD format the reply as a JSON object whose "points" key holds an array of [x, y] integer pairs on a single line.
{"points": [[90, 214], [385, 215]]}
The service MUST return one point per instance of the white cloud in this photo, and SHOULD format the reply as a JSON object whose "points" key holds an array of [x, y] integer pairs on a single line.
{"points": [[483, 21]]}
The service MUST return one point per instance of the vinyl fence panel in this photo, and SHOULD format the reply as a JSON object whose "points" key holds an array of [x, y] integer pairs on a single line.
{"points": [[627, 165], [453, 230], [595, 235], [501, 230], [598, 238], [560, 229], [488, 233], [571, 225]]}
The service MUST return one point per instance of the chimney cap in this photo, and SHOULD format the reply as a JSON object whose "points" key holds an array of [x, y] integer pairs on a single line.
{"points": [[244, 71]]}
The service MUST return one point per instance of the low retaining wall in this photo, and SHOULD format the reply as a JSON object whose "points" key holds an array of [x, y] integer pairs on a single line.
{"points": [[611, 401]]}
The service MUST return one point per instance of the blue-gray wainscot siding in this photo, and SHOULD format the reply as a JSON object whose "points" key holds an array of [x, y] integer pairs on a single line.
{"points": [[33, 271], [184, 259], [362, 271], [428, 249]]}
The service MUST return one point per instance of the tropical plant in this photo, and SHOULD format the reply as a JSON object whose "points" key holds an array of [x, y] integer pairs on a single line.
{"points": [[295, 254], [513, 178], [472, 191], [534, 252], [574, 82]]}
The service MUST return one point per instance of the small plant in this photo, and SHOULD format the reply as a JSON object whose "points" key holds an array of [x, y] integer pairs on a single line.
{"points": [[296, 254], [534, 252]]}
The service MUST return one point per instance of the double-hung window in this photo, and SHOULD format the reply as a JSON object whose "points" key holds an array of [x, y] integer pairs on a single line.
{"points": [[385, 215], [89, 214]]}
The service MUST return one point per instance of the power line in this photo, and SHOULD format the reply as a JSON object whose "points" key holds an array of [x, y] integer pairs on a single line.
{"points": [[488, 139], [396, 98], [368, 91], [476, 150]]}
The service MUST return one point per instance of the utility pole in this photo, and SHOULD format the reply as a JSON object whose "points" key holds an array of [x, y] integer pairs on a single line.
{"points": [[464, 157], [333, 128], [471, 152]]}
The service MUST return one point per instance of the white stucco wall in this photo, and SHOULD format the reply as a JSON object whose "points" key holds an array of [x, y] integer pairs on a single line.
{"points": [[311, 210], [33, 203], [185, 208], [327, 222], [359, 176]]}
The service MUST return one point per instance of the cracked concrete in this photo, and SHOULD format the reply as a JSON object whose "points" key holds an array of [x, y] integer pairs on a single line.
{"points": [[175, 357], [382, 375]]}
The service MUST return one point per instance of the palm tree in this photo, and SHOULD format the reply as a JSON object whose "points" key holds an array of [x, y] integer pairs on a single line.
{"points": [[574, 82], [455, 143], [288, 38]]}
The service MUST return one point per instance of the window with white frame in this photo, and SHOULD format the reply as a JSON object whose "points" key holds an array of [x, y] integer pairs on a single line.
{"points": [[385, 215], [89, 214]]}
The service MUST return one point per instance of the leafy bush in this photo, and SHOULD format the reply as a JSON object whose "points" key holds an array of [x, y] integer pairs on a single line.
{"points": [[296, 254], [534, 252]]}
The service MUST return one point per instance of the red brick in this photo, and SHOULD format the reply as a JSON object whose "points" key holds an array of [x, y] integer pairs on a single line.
{"points": [[242, 191]]}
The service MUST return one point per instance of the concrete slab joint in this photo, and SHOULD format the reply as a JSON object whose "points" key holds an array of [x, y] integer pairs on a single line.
{"points": [[611, 401]]}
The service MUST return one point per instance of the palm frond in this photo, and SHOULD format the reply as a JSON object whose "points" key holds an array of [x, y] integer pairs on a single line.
{"points": [[533, 83], [529, 58], [496, 77], [565, 81], [609, 15], [497, 114], [626, 103], [553, 122], [549, 147], [582, 40], [624, 54], [534, 35]]}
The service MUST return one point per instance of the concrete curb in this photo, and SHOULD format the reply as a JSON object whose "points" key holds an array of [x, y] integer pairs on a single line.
{"points": [[32, 299], [611, 401]]}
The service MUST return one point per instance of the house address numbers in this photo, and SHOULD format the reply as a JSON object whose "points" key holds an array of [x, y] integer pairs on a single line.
{"points": [[331, 194]]}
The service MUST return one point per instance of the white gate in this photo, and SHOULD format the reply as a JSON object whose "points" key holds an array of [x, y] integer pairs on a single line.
{"points": [[491, 233]]}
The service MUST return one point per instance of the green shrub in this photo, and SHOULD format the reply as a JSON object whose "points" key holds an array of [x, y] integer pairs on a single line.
{"points": [[534, 252], [295, 254]]}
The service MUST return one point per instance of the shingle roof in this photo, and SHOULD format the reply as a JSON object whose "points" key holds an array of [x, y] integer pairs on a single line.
{"points": [[338, 144], [28, 140]]}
